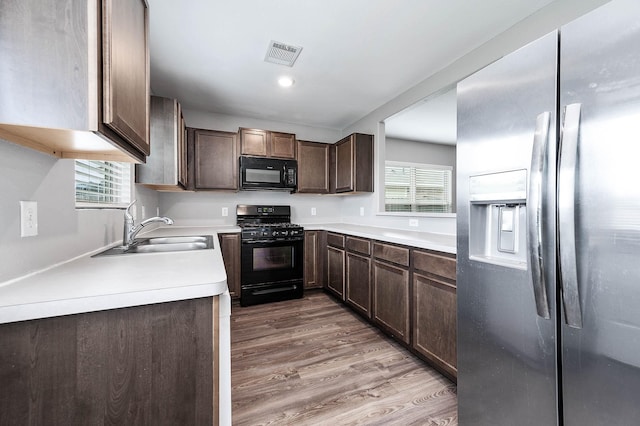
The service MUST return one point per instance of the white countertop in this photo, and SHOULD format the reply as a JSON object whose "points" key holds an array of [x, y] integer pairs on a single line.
{"points": [[87, 284], [427, 240]]}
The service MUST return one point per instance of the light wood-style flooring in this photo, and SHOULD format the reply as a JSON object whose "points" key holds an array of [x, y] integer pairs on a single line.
{"points": [[312, 361]]}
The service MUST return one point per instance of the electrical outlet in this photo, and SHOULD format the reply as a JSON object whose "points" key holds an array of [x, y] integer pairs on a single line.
{"points": [[413, 222], [28, 218], [313, 211], [361, 211], [225, 211]]}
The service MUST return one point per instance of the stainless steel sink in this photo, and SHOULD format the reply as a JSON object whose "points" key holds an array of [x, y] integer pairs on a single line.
{"points": [[162, 245], [177, 240]]}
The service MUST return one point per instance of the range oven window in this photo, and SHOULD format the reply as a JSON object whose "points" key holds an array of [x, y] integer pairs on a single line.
{"points": [[269, 258], [262, 175]]}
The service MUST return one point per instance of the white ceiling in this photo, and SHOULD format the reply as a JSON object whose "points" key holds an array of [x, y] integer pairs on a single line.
{"points": [[357, 54]]}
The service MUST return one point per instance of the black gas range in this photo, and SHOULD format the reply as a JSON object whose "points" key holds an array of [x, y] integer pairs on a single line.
{"points": [[271, 254]]}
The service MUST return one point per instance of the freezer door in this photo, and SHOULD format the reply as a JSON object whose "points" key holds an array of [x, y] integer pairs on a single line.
{"points": [[506, 345], [600, 88]]}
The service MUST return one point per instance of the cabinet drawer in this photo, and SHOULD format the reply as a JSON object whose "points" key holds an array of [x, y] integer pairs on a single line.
{"points": [[443, 265], [394, 254], [359, 245], [335, 240]]}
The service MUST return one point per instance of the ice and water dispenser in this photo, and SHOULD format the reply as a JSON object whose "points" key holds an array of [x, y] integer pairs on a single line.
{"points": [[497, 218]]}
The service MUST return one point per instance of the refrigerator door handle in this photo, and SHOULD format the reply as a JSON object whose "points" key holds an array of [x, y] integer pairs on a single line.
{"points": [[566, 215], [534, 213]]}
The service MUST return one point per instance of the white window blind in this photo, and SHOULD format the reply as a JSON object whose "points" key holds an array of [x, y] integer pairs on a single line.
{"points": [[102, 183], [419, 188]]}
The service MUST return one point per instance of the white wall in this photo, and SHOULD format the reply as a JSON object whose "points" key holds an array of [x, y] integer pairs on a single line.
{"points": [[63, 231], [231, 123]]}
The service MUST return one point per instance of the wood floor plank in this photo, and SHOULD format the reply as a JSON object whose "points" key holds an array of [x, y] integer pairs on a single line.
{"points": [[311, 361]]}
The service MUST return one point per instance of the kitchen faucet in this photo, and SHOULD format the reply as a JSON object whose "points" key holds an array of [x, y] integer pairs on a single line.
{"points": [[131, 229]]}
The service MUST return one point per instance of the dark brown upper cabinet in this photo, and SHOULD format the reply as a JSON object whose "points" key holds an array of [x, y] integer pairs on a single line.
{"points": [[166, 167], [91, 99], [213, 160], [264, 143], [313, 167], [352, 164]]}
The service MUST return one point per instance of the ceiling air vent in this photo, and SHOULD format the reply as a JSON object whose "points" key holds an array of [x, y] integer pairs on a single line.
{"points": [[282, 54]]}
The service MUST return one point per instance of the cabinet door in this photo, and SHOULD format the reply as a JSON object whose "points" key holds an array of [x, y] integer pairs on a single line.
{"points": [[216, 160], [434, 321], [254, 142], [335, 271], [182, 149], [344, 165], [125, 73], [358, 277], [230, 248], [311, 260], [282, 145], [313, 167], [391, 299]]}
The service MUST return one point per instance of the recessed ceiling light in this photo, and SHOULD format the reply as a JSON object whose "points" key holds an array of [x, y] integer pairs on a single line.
{"points": [[285, 81]]}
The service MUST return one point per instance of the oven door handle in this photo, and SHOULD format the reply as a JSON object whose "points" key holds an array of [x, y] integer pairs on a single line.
{"points": [[272, 241]]}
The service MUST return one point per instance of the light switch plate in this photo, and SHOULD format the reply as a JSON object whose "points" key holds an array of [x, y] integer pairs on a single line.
{"points": [[313, 211], [413, 222], [28, 218], [225, 211]]}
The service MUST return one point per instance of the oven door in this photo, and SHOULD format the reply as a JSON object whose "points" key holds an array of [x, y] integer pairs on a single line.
{"points": [[269, 261]]}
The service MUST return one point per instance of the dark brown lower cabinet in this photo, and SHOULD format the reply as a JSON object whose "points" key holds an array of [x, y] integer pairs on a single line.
{"points": [[335, 271], [313, 261], [230, 248], [391, 299], [358, 283], [434, 321], [146, 365]]}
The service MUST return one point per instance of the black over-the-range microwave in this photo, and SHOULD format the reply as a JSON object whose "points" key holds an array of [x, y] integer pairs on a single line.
{"points": [[268, 173]]}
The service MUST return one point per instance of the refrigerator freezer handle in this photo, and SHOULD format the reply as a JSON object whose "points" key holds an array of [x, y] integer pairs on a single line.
{"points": [[534, 213], [566, 215]]}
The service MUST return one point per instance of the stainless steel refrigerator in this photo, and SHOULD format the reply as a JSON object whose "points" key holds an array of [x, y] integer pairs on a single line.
{"points": [[549, 229]]}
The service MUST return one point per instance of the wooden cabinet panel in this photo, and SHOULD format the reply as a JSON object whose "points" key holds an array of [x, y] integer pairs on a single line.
{"points": [[344, 165], [125, 57], [391, 253], [215, 159], [282, 145], [253, 142], [313, 167], [391, 299], [165, 168], [335, 271], [359, 245], [264, 143], [335, 240], [150, 364], [312, 260], [358, 283], [434, 321], [440, 264], [88, 82], [230, 248], [352, 164]]}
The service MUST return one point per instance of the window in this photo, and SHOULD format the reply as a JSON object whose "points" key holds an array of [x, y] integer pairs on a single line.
{"points": [[102, 184], [418, 188]]}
